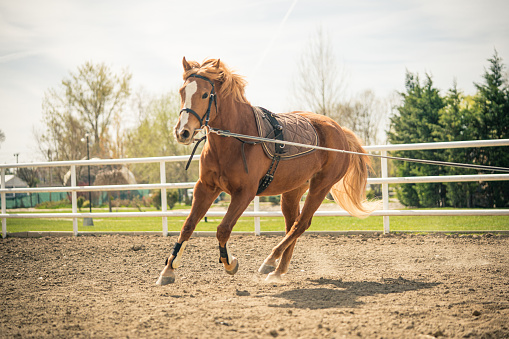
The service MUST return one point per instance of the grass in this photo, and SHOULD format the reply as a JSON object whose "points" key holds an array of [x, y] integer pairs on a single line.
{"points": [[417, 223]]}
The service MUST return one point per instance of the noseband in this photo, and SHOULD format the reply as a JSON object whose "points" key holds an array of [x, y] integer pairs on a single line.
{"points": [[212, 98]]}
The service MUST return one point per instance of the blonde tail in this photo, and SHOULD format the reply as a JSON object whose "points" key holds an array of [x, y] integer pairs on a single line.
{"points": [[350, 191]]}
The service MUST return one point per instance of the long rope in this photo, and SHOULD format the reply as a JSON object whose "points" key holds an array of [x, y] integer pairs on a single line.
{"points": [[224, 133]]}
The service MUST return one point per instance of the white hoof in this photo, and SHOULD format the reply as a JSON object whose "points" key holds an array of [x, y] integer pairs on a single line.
{"points": [[233, 267], [273, 277], [265, 269], [166, 279]]}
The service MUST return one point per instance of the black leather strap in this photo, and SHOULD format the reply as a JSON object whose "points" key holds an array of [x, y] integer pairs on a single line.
{"points": [[279, 149], [269, 176], [176, 250], [194, 151], [212, 98], [223, 253], [278, 129]]}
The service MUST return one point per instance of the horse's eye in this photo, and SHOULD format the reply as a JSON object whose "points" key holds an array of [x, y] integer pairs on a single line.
{"points": [[205, 95]]}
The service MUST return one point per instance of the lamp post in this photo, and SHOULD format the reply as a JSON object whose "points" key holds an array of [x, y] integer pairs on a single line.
{"points": [[88, 221], [16, 155]]}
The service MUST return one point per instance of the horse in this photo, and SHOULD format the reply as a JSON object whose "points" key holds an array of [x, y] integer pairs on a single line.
{"points": [[213, 96]]}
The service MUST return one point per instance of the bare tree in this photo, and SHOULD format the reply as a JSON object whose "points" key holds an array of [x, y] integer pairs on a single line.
{"points": [[86, 101], [320, 83], [94, 95], [365, 115], [31, 177], [114, 176], [61, 138]]}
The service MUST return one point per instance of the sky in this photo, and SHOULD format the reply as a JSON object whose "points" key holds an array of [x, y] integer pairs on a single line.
{"points": [[375, 42]]}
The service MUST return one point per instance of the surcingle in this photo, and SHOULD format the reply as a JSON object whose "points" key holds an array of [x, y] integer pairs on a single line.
{"points": [[288, 127], [285, 127]]}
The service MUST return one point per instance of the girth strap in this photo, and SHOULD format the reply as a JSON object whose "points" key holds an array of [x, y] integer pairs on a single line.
{"points": [[279, 149], [269, 176]]}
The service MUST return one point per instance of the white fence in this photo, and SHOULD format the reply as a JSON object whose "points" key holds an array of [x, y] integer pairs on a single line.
{"points": [[385, 180]]}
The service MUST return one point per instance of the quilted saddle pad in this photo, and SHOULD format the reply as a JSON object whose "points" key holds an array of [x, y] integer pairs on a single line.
{"points": [[295, 128]]}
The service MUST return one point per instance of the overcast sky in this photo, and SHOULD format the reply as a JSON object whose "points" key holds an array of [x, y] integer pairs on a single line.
{"points": [[375, 41]]}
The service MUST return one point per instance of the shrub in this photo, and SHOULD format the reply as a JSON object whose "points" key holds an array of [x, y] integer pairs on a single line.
{"points": [[171, 198], [275, 199], [80, 202]]}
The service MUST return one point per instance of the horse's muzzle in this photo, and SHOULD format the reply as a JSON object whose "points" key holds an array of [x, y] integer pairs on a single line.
{"points": [[184, 136]]}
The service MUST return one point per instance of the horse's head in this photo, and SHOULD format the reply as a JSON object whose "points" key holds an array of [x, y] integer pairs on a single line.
{"points": [[197, 100]]}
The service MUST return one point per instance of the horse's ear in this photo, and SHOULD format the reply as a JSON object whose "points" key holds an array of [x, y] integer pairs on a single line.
{"points": [[217, 63], [186, 65]]}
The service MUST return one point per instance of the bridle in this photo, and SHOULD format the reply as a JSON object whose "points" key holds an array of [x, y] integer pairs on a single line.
{"points": [[212, 98]]}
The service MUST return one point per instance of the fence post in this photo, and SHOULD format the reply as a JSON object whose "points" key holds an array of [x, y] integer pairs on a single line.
{"points": [[164, 202], [4, 204], [385, 193], [257, 219], [74, 200]]}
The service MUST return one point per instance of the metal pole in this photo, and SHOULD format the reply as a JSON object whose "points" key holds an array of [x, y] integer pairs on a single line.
{"points": [[50, 173], [4, 209], [385, 193], [74, 200]]}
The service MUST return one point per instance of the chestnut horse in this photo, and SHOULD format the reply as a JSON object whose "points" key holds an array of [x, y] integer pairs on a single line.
{"points": [[213, 95]]}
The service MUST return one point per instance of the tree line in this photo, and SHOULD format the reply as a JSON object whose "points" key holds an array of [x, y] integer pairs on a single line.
{"points": [[427, 115]]}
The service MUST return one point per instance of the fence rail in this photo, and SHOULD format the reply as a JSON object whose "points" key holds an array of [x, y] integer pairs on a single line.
{"points": [[385, 180]]}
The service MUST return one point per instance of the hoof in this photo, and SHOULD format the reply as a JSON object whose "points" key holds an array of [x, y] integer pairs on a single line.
{"points": [[273, 277], [265, 269], [166, 280], [234, 270]]}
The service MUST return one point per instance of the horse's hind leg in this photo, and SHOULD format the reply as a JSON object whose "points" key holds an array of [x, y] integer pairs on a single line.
{"points": [[317, 192], [290, 206]]}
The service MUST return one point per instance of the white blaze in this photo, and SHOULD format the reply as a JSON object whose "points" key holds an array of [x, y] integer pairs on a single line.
{"points": [[189, 91]]}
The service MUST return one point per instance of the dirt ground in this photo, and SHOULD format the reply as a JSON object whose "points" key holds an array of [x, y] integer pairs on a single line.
{"points": [[396, 286]]}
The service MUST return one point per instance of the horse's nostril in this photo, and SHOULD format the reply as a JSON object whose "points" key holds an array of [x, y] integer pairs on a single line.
{"points": [[185, 134]]}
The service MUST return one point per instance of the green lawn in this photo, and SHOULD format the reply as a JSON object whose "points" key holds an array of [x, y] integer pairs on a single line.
{"points": [[419, 223]]}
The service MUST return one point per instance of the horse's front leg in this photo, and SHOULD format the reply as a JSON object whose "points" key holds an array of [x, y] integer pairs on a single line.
{"points": [[203, 197], [240, 201]]}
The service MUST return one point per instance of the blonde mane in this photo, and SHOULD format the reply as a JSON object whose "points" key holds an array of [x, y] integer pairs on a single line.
{"points": [[231, 83]]}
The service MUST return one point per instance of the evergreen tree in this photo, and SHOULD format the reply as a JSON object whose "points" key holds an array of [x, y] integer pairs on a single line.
{"points": [[456, 125], [418, 121], [492, 122]]}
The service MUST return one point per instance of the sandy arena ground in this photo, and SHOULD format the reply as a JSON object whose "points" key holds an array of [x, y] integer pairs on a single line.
{"points": [[396, 286]]}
